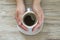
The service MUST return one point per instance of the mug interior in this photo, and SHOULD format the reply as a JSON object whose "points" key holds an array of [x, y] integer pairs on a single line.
{"points": [[29, 19]]}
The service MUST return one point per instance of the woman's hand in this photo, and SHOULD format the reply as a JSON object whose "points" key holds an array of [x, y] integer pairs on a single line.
{"points": [[39, 14], [19, 13]]}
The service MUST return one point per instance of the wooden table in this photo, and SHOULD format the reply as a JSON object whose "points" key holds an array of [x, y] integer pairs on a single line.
{"points": [[50, 31]]}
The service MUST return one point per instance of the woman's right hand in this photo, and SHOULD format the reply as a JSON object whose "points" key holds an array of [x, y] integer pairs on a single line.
{"points": [[19, 13]]}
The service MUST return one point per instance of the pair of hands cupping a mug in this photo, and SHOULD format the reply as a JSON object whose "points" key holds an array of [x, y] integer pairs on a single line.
{"points": [[36, 8]]}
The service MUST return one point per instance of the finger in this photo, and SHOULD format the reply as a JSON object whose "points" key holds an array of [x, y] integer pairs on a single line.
{"points": [[39, 21], [19, 21], [23, 27], [37, 26]]}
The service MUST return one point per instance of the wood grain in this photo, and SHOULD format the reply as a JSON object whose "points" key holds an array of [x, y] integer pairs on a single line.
{"points": [[50, 31]]}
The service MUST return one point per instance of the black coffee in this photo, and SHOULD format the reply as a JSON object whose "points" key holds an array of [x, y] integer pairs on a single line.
{"points": [[29, 19]]}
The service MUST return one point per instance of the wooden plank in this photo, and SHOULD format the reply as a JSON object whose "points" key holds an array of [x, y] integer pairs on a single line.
{"points": [[7, 1]]}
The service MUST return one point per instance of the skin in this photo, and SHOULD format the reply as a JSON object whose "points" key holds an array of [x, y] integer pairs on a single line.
{"points": [[20, 9], [38, 10]]}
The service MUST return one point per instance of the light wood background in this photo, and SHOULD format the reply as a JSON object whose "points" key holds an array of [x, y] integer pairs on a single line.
{"points": [[50, 31]]}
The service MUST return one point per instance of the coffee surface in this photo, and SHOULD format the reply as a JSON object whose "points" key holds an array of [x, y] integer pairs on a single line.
{"points": [[30, 19]]}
